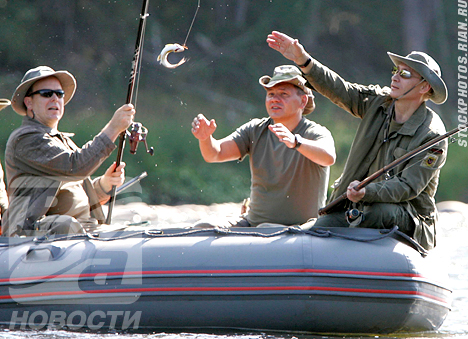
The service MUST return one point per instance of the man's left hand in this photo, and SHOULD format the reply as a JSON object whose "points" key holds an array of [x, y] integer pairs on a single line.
{"points": [[352, 194], [113, 177]]}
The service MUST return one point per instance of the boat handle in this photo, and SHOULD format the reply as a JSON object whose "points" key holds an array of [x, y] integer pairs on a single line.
{"points": [[42, 253]]}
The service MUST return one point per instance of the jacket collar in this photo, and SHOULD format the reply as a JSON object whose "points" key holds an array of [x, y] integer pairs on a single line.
{"points": [[413, 123], [416, 120]]}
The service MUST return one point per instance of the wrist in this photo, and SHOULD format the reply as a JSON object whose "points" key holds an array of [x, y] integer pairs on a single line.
{"points": [[108, 192], [299, 141], [304, 62]]}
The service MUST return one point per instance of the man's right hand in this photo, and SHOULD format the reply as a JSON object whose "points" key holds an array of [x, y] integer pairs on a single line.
{"points": [[202, 128], [121, 120]]}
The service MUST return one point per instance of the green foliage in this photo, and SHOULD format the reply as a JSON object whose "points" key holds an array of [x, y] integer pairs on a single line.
{"points": [[95, 39]]}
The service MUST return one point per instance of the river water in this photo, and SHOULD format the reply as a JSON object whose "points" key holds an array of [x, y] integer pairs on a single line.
{"points": [[451, 248]]}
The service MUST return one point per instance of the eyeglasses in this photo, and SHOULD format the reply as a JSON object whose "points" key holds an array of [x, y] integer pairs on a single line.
{"points": [[404, 73], [47, 93]]}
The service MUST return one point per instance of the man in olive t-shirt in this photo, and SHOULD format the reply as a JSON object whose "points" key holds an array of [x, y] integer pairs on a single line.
{"points": [[289, 154]]}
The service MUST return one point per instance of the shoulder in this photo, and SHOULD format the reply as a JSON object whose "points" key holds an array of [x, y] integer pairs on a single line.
{"points": [[313, 129], [255, 124], [433, 123], [26, 131], [376, 90]]}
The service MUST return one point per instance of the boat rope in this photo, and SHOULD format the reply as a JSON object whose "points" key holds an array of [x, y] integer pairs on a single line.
{"points": [[158, 233]]}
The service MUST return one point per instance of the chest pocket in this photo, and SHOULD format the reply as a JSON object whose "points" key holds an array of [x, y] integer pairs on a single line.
{"points": [[399, 152]]}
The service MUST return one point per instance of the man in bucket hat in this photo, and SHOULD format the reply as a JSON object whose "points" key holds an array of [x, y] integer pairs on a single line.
{"points": [[289, 154], [48, 175], [4, 103], [394, 121]]}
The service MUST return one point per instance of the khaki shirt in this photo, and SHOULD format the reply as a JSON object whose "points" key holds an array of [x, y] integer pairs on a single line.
{"points": [[39, 161], [412, 184]]}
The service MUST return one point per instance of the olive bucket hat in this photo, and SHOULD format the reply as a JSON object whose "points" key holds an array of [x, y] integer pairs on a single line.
{"points": [[428, 68], [66, 79], [290, 74], [4, 103]]}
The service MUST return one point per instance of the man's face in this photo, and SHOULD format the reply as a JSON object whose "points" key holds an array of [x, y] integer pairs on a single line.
{"points": [[47, 111], [283, 102], [401, 84]]}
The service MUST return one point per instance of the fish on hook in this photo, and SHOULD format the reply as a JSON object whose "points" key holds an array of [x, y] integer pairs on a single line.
{"points": [[176, 48]]}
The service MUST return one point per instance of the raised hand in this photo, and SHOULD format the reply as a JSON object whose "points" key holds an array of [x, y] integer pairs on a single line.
{"points": [[202, 128], [290, 48]]}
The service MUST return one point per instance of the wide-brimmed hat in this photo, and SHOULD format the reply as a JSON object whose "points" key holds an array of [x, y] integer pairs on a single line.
{"points": [[4, 103], [428, 68], [290, 74], [66, 79]]}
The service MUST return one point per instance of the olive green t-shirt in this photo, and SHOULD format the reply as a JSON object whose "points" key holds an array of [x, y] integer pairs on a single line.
{"points": [[286, 187]]}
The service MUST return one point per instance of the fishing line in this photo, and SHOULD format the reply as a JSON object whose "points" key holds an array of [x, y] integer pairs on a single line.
{"points": [[193, 20]]}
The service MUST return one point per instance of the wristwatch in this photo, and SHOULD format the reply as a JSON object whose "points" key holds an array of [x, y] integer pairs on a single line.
{"points": [[298, 139], [306, 63]]}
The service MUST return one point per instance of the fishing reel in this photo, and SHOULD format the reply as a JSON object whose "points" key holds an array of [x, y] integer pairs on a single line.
{"points": [[354, 216], [136, 135]]}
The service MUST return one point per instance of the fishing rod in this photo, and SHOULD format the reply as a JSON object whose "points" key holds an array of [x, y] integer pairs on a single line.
{"points": [[389, 167], [131, 85]]}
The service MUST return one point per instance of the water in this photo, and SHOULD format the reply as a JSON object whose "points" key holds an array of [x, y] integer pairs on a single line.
{"points": [[451, 249]]}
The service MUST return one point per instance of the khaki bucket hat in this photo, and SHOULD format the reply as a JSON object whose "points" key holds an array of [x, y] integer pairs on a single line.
{"points": [[290, 74], [4, 103], [66, 79], [428, 68]]}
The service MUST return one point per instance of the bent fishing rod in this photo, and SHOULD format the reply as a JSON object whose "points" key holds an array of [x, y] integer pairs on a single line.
{"points": [[131, 86], [389, 167]]}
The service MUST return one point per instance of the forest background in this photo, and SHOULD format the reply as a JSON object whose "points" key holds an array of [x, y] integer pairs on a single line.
{"points": [[95, 40]]}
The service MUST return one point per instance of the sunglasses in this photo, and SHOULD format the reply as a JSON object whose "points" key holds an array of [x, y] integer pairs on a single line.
{"points": [[404, 73], [47, 93]]}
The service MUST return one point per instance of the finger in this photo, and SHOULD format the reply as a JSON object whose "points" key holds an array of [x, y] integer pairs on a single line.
{"points": [[111, 169], [120, 168]]}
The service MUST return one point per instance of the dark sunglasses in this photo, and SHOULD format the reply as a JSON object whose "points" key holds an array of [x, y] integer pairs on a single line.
{"points": [[404, 73], [47, 93]]}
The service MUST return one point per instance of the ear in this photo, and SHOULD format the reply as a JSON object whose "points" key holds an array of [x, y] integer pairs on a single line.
{"points": [[425, 87], [28, 102], [304, 101]]}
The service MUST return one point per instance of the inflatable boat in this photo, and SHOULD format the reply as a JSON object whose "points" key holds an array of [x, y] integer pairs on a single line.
{"points": [[326, 280]]}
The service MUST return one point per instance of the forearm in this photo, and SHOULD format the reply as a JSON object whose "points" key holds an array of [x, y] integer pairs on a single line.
{"points": [[331, 85], [102, 195], [400, 188], [48, 156], [323, 156], [210, 149], [222, 150]]}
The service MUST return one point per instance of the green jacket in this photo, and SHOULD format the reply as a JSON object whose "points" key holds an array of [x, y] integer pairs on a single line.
{"points": [[412, 184], [38, 161]]}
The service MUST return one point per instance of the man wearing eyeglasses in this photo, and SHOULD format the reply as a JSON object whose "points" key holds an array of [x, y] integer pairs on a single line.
{"points": [[394, 121], [49, 187]]}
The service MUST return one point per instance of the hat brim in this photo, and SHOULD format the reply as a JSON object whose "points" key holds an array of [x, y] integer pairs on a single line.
{"points": [[67, 80], [266, 81], [4, 103], [438, 85]]}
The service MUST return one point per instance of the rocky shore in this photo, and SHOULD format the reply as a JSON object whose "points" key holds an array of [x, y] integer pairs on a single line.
{"points": [[164, 216]]}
